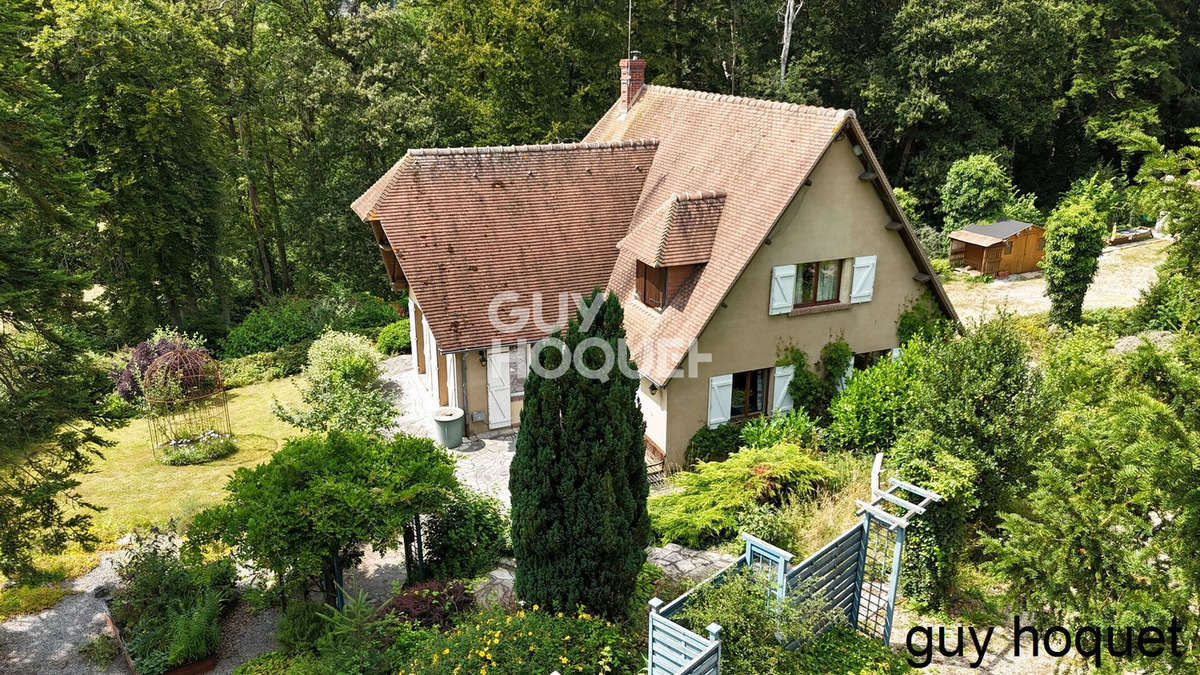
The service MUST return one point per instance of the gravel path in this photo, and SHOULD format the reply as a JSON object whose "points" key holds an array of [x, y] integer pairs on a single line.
{"points": [[1124, 272], [49, 641]]}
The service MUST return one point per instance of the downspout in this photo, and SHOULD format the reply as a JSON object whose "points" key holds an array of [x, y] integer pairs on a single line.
{"points": [[462, 387]]}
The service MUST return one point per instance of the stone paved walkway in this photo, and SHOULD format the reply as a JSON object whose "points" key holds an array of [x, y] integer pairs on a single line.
{"points": [[482, 462], [685, 563]]}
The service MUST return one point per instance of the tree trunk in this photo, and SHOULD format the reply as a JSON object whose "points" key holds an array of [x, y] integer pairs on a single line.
{"points": [[789, 15], [285, 270], [252, 197]]}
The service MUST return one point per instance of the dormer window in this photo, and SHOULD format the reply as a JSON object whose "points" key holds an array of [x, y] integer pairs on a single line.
{"points": [[652, 286]]}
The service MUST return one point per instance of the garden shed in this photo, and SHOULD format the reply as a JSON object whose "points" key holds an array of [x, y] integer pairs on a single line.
{"points": [[1001, 248]]}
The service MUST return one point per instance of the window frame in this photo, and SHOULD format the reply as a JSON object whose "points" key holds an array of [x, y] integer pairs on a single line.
{"points": [[643, 283], [765, 373], [798, 302]]}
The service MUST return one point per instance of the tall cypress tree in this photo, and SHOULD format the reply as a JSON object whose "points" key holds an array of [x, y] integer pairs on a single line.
{"points": [[578, 480]]}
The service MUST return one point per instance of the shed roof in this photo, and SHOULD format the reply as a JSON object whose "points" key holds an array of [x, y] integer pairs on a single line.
{"points": [[992, 233]]}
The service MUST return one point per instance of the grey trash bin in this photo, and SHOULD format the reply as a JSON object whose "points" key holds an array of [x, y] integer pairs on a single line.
{"points": [[449, 426]]}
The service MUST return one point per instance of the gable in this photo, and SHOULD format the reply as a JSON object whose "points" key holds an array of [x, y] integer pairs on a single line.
{"points": [[836, 218]]}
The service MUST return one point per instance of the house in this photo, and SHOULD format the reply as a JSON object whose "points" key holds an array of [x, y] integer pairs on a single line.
{"points": [[728, 227], [1001, 248]]}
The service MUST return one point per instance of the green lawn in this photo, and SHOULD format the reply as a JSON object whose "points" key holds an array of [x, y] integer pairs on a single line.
{"points": [[137, 491]]}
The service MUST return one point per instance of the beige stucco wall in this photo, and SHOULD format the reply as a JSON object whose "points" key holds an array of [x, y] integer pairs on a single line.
{"points": [[654, 411], [838, 216]]}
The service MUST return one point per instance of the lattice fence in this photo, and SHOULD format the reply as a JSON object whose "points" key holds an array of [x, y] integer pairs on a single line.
{"points": [[856, 574]]}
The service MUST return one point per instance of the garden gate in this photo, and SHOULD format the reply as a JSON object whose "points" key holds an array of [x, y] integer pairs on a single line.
{"points": [[856, 575]]}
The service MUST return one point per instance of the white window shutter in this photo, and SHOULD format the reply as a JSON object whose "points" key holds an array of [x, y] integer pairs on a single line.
{"points": [[847, 375], [781, 399], [783, 289], [895, 352], [499, 398], [863, 285], [720, 398]]}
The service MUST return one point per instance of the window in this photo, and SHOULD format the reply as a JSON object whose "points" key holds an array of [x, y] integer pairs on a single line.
{"points": [[652, 285], [1008, 247], [749, 393], [1041, 244], [817, 283]]}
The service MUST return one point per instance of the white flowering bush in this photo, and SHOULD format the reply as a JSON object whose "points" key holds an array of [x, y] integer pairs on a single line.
{"points": [[340, 389]]}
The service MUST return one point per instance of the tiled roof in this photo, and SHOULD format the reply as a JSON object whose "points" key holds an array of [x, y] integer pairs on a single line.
{"points": [[469, 223], [680, 232], [757, 152]]}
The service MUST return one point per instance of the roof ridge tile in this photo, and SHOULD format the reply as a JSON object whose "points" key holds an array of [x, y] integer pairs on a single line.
{"points": [[519, 149], [754, 102]]}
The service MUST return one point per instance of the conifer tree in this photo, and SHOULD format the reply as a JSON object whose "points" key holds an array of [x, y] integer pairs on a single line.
{"points": [[578, 480]]}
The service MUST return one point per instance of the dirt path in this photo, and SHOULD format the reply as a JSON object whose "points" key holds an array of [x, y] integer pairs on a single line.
{"points": [[1124, 272]]}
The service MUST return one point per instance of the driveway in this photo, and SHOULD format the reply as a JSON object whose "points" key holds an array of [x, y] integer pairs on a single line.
{"points": [[1125, 271]]}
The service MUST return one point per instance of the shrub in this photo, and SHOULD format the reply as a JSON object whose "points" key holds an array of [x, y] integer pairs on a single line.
{"points": [[841, 649], [394, 338], [101, 650], [578, 478], [290, 359], [923, 319], [869, 413], [342, 358], [167, 610], [1172, 302], [942, 268], [356, 312], [1075, 234], [713, 444], [272, 326], [323, 496], [977, 190], [836, 357], [934, 542], [527, 642], [128, 379], [806, 389], [431, 604], [753, 621], [247, 370], [468, 536], [707, 501], [793, 427], [767, 523], [340, 388], [936, 244], [360, 640], [199, 450], [300, 626], [1086, 547]]}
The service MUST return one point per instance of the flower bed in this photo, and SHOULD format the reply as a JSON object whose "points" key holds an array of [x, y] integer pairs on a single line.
{"points": [[201, 449]]}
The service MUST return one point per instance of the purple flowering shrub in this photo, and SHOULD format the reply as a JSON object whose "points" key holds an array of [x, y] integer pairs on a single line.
{"points": [[128, 380]]}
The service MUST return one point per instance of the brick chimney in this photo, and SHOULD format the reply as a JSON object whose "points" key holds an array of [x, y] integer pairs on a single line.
{"points": [[633, 78]]}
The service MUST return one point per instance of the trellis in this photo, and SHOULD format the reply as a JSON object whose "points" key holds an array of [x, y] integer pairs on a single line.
{"points": [[856, 575]]}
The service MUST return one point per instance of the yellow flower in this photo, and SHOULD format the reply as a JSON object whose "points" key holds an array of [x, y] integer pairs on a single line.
{"points": [[535, 608], [559, 615], [566, 638], [530, 647], [585, 615], [563, 659], [446, 650]]}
